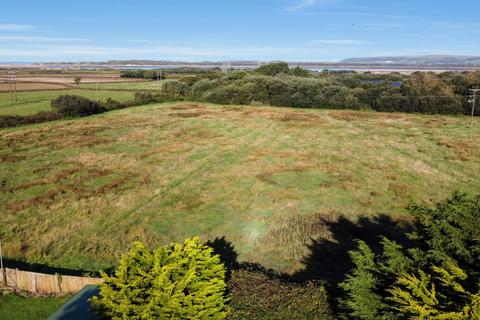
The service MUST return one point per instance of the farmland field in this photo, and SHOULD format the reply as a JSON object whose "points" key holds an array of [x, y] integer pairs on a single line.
{"points": [[30, 102], [76, 193], [139, 85]]}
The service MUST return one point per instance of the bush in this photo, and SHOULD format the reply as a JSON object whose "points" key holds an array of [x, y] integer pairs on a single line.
{"points": [[76, 106], [144, 97], [14, 120], [172, 282], [111, 104], [173, 90], [256, 296]]}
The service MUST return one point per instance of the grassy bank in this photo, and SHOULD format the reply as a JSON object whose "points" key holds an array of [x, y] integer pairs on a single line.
{"points": [[76, 193]]}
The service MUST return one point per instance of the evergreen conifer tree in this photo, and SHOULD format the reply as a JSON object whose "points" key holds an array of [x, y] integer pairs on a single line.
{"points": [[173, 282]]}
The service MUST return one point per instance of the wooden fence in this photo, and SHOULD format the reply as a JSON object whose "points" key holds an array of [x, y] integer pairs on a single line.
{"points": [[40, 283]]}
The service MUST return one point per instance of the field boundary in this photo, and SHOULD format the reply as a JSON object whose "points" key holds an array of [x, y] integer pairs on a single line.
{"points": [[41, 283]]}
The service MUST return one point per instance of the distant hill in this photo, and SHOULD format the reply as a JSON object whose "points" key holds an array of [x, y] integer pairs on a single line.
{"points": [[418, 60]]}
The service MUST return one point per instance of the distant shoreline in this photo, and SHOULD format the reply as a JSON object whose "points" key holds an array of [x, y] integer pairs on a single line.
{"points": [[374, 68]]}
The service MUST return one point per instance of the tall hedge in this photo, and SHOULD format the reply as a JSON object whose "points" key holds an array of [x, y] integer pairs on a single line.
{"points": [[178, 281]]}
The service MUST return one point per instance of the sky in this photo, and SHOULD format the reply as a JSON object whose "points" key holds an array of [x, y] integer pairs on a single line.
{"points": [[207, 30]]}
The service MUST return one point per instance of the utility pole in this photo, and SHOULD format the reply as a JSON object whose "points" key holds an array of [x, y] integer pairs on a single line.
{"points": [[96, 89], [472, 98], [225, 67], [12, 84]]}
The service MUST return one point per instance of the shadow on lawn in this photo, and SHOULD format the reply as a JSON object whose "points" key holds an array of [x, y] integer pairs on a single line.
{"points": [[327, 260], [43, 268]]}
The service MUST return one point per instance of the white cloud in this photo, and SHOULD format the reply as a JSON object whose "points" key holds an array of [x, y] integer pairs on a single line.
{"points": [[42, 39], [341, 42], [304, 4], [15, 27]]}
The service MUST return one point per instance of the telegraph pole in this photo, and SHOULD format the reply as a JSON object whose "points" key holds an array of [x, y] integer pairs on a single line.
{"points": [[12, 85], [472, 98], [96, 89]]}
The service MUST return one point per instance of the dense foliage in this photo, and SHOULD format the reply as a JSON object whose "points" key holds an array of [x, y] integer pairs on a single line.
{"points": [[173, 282], [143, 74], [39, 117], [434, 276], [277, 85], [76, 106], [256, 296]]}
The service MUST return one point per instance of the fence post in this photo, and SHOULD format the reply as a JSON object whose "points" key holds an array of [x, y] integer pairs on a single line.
{"points": [[16, 280], [34, 283], [57, 282]]}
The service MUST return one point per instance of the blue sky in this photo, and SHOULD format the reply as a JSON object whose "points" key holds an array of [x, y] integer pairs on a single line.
{"points": [[198, 30]]}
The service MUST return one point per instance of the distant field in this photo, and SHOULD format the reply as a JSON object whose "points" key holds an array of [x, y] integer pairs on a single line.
{"points": [[141, 85], [14, 307], [30, 86], [46, 81], [77, 193], [34, 101]]}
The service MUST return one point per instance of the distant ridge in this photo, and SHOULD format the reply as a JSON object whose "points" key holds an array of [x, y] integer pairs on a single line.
{"points": [[418, 60]]}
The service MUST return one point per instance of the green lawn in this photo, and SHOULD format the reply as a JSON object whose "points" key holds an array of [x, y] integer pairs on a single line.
{"points": [[15, 307], [77, 193], [30, 102], [143, 85]]}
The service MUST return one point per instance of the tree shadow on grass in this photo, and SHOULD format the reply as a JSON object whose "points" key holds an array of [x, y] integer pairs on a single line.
{"points": [[328, 259], [43, 268]]}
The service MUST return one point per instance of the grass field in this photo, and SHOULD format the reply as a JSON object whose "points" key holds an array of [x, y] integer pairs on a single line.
{"points": [[15, 307], [33, 86], [77, 193], [140, 85], [34, 101]]}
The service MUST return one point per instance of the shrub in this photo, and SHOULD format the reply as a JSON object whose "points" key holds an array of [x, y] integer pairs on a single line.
{"points": [[15, 120], [173, 282], [173, 90], [300, 72], [76, 106], [111, 104], [256, 296], [144, 97]]}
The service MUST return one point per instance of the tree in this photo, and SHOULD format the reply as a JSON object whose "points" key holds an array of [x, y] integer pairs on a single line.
{"points": [[77, 81], [273, 69], [300, 72], [436, 297], [172, 282], [362, 300], [428, 277]]}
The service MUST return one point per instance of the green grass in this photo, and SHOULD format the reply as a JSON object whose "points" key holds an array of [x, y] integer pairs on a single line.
{"points": [[141, 85], [77, 193], [30, 102], [15, 307]]}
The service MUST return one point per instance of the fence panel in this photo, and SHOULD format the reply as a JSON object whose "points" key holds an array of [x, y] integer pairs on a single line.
{"points": [[46, 283]]}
